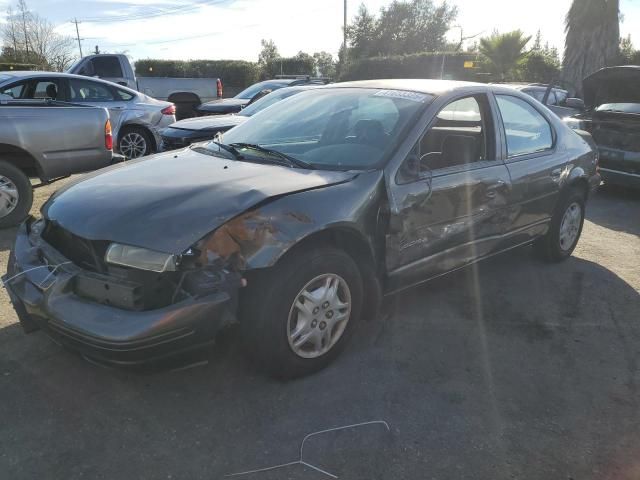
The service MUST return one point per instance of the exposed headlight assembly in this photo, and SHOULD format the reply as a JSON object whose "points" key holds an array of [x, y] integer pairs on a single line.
{"points": [[140, 258]]}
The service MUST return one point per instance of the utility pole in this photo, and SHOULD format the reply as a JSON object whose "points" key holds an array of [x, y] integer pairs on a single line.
{"points": [[75, 20], [344, 45]]}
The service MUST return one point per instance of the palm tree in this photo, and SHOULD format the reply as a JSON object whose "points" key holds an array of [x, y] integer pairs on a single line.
{"points": [[504, 52], [593, 38]]}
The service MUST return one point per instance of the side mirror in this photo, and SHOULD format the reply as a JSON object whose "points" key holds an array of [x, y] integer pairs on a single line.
{"points": [[576, 103]]}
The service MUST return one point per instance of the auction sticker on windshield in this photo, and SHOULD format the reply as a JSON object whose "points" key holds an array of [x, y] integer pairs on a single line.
{"points": [[413, 96]]}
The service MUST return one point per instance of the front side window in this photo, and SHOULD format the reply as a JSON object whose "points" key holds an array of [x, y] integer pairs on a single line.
{"points": [[458, 137], [527, 131], [251, 91], [89, 91], [338, 128]]}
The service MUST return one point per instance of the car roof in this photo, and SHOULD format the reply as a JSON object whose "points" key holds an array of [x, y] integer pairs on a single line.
{"points": [[13, 75], [433, 87]]}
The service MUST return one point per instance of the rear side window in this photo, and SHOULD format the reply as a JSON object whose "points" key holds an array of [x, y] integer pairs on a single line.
{"points": [[88, 91], [14, 91], [107, 67], [526, 129]]}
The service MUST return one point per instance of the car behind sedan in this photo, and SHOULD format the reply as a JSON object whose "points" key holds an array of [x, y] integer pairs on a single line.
{"points": [[136, 118], [612, 96], [296, 221], [185, 132]]}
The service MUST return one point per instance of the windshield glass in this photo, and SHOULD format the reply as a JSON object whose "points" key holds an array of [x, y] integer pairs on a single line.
{"points": [[619, 107], [268, 100], [258, 87], [337, 128]]}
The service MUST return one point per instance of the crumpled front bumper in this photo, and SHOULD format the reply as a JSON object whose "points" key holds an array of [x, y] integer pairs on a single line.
{"points": [[40, 283]]}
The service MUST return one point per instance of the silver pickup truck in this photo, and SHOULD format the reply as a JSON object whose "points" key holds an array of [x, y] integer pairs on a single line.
{"points": [[185, 93], [47, 140]]}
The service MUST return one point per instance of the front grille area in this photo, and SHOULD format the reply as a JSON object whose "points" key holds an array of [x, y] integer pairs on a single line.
{"points": [[83, 253], [125, 288]]}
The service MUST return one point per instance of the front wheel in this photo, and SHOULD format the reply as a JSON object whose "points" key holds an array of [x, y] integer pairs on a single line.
{"points": [[16, 195], [297, 318], [565, 229]]}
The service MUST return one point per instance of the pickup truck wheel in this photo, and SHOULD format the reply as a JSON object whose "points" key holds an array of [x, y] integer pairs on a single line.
{"points": [[16, 195], [297, 318], [134, 142], [565, 229]]}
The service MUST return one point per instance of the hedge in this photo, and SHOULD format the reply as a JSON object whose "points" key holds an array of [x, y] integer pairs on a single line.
{"points": [[4, 67], [236, 73], [289, 66], [418, 65]]}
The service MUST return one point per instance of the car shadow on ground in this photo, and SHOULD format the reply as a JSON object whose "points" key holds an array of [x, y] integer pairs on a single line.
{"points": [[616, 208], [511, 368]]}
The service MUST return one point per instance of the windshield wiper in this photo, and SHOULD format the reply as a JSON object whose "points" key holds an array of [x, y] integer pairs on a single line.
{"points": [[289, 160], [229, 149]]}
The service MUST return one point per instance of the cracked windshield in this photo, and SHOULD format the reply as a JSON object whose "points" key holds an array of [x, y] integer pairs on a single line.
{"points": [[358, 239]]}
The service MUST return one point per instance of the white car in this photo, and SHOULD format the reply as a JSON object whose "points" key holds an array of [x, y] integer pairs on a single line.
{"points": [[136, 118]]}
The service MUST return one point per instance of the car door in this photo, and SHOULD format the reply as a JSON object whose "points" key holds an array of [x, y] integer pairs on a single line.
{"points": [[99, 94], [535, 163], [448, 198]]}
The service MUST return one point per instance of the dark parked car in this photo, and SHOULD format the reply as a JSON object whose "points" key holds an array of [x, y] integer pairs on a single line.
{"points": [[185, 132], [556, 99], [612, 98], [297, 223], [234, 105]]}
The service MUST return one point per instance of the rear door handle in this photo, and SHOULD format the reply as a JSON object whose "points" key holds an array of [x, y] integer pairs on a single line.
{"points": [[492, 190], [555, 174]]}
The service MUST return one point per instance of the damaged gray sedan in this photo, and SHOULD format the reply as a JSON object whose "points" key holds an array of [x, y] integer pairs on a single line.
{"points": [[298, 221]]}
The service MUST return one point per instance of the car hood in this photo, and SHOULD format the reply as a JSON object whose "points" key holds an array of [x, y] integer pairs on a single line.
{"points": [[612, 85], [170, 201], [209, 123]]}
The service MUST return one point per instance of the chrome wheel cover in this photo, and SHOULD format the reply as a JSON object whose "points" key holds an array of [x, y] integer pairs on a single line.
{"points": [[133, 145], [570, 226], [319, 316], [9, 196]]}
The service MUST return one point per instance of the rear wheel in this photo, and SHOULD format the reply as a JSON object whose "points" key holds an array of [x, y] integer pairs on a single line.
{"points": [[16, 195], [297, 318], [134, 142], [565, 229]]}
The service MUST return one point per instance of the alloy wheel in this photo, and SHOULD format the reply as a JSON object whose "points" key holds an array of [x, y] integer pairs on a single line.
{"points": [[319, 316], [9, 196], [570, 226], [133, 145]]}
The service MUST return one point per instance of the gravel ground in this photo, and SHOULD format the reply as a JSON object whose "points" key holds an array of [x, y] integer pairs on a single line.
{"points": [[510, 369]]}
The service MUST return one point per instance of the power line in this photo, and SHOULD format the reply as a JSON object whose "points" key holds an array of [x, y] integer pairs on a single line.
{"points": [[141, 16]]}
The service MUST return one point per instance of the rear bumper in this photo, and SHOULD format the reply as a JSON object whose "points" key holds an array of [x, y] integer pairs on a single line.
{"points": [[619, 177], [43, 298]]}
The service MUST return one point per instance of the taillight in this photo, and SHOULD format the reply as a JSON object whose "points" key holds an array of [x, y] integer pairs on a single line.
{"points": [[170, 110], [219, 88], [108, 138]]}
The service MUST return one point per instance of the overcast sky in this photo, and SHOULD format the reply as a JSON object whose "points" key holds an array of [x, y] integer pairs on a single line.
{"points": [[232, 29]]}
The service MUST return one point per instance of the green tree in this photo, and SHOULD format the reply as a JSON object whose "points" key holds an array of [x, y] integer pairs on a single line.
{"points": [[504, 53], [269, 52], [325, 64], [403, 27], [592, 39]]}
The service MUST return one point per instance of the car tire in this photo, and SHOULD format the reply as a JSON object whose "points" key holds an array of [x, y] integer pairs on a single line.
{"points": [[134, 142], [16, 195], [270, 320], [565, 229]]}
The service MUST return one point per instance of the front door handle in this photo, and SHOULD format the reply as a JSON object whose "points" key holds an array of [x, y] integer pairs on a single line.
{"points": [[492, 191], [555, 174]]}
